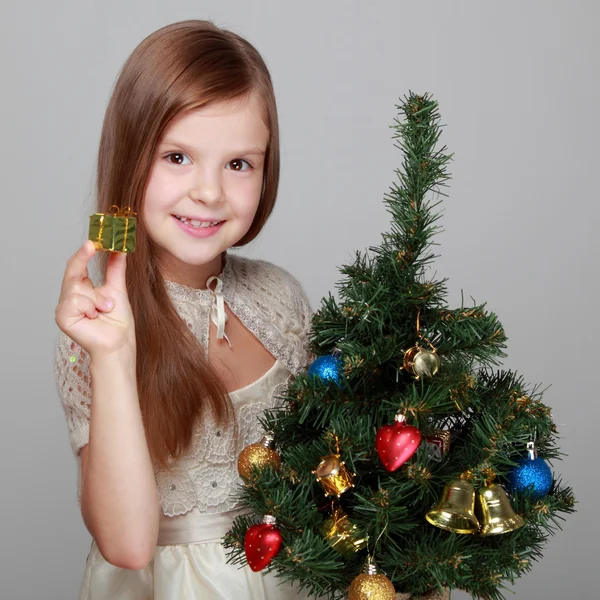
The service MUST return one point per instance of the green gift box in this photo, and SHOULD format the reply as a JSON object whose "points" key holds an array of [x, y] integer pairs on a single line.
{"points": [[114, 231]]}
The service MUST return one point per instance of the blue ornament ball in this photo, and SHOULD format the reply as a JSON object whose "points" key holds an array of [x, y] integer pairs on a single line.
{"points": [[533, 473], [328, 368]]}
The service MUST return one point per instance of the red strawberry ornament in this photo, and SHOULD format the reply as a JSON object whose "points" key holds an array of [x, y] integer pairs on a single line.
{"points": [[262, 543], [397, 443]]}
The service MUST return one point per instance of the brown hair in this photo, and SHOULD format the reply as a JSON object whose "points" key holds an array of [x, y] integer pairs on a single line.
{"points": [[182, 66]]}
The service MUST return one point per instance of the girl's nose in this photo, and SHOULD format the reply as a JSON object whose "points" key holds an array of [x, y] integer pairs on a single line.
{"points": [[207, 188]]}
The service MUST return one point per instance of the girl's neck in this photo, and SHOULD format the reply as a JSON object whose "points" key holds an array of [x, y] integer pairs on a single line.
{"points": [[196, 276]]}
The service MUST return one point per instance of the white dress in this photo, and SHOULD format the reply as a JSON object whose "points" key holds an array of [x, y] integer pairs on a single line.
{"points": [[190, 562], [197, 495]]}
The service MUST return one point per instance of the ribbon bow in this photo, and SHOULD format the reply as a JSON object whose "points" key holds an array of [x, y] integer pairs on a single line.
{"points": [[117, 211], [217, 310]]}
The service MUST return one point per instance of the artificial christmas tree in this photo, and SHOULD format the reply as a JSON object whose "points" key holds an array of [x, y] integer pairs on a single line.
{"points": [[425, 496]]}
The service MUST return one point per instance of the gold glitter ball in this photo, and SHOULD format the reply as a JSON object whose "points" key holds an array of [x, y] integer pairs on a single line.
{"points": [[256, 455], [371, 587]]}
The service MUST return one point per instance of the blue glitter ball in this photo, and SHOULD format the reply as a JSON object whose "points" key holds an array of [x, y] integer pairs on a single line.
{"points": [[531, 473], [328, 368]]}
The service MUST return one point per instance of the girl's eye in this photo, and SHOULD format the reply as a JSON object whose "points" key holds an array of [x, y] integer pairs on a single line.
{"points": [[237, 164], [179, 156]]}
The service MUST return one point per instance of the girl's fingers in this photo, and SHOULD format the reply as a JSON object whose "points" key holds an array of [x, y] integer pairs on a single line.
{"points": [[104, 304], [116, 269], [85, 288], [77, 264], [75, 306]]}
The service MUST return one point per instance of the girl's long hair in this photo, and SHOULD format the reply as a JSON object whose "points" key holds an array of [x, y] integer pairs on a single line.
{"points": [[182, 66]]}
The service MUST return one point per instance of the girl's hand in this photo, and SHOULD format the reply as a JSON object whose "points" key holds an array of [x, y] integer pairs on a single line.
{"points": [[98, 319]]}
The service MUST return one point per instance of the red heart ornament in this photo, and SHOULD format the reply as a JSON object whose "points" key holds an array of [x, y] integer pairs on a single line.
{"points": [[262, 543], [397, 443]]}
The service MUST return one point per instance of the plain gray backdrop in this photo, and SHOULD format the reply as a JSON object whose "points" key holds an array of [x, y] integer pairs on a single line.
{"points": [[518, 88]]}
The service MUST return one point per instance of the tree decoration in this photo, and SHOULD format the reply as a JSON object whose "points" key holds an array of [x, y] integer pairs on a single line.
{"points": [[329, 368], [341, 533], [371, 585], [262, 543], [438, 443], [332, 473], [498, 515], [258, 455], [397, 443], [531, 474], [421, 362], [456, 509]]}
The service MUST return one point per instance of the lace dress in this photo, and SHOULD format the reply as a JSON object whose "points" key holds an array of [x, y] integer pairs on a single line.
{"points": [[190, 561], [197, 495]]}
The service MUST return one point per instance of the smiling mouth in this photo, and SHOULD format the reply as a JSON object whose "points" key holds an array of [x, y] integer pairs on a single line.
{"points": [[197, 224]]}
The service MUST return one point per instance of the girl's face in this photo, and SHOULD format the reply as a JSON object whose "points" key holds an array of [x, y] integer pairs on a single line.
{"points": [[208, 168]]}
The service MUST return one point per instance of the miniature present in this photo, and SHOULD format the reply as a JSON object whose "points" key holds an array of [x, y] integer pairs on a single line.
{"points": [[113, 231], [438, 443]]}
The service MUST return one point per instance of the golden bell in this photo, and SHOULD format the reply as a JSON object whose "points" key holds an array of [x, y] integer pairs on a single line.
{"points": [[497, 513], [456, 510]]}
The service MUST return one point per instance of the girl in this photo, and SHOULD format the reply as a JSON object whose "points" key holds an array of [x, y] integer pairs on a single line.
{"points": [[164, 368]]}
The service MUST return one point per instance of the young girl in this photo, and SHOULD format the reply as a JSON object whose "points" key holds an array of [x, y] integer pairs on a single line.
{"points": [[164, 369]]}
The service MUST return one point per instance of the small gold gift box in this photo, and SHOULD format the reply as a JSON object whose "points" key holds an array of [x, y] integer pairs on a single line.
{"points": [[113, 231], [342, 534]]}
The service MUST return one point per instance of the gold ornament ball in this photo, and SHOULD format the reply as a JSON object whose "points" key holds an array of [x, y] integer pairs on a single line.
{"points": [[256, 455], [371, 587], [426, 363]]}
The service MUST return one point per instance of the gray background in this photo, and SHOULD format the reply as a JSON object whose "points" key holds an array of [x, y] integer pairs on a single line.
{"points": [[518, 89]]}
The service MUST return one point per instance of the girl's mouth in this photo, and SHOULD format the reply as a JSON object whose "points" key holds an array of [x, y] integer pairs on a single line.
{"points": [[198, 228]]}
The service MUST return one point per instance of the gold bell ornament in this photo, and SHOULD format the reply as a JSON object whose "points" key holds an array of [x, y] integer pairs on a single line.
{"points": [[258, 455], [421, 362], [332, 474], [456, 510], [498, 515], [371, 585]]}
